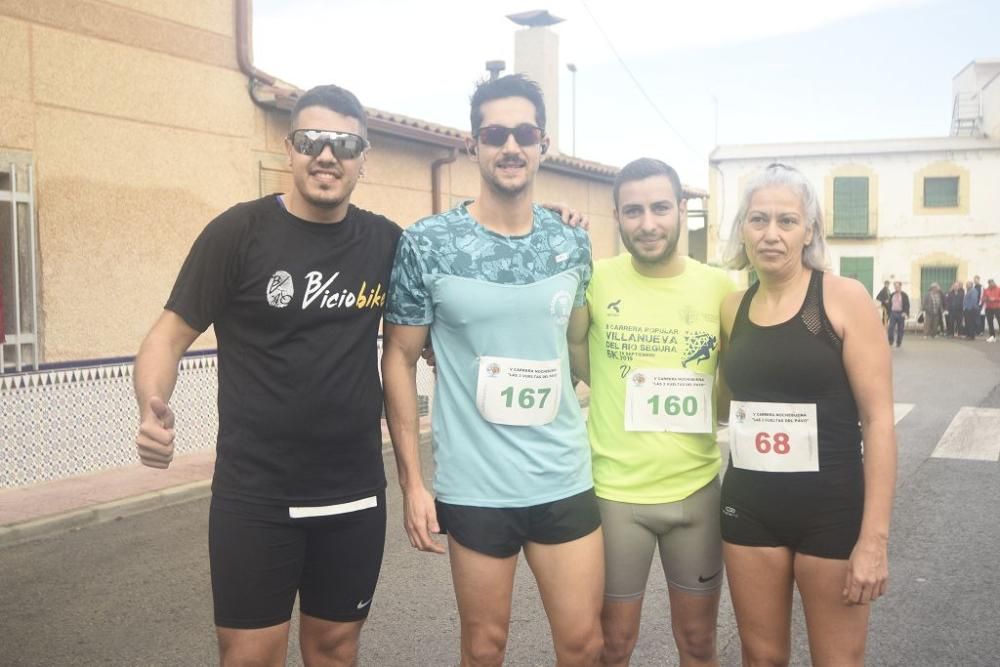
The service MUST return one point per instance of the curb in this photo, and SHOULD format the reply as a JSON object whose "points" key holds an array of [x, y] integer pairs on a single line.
{"points": [[19, 533]]}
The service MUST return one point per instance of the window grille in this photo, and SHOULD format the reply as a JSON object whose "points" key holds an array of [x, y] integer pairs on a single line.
{"points": [[19, 335]]}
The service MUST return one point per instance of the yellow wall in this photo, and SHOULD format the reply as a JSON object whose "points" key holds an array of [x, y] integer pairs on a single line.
{"points": [[17, 128], [138, 123], [140, 129]]}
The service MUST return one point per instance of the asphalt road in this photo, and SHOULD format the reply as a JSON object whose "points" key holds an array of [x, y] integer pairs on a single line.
{"points": [[136, 591]]}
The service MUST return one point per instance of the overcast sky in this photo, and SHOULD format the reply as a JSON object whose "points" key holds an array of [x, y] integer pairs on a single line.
{"points": [[780, 70]]}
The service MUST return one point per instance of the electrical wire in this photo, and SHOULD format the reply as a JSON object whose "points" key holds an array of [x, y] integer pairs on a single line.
{"points": [[638, 85]]}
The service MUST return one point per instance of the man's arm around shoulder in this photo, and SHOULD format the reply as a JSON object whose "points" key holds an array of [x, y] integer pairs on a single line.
{"points": [[579, 348], [154, 379]]}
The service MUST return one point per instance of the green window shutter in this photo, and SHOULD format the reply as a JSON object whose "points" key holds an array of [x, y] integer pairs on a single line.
{"points": [[942, 275], [941, 192], [859, 268], [850, 206]]}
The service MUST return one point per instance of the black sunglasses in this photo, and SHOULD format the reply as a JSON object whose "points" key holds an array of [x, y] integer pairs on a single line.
{"points": [[345, 146], [525, 134]]}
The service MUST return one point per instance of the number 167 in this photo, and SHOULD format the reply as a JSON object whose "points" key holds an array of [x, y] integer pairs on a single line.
{"points": [[526, 397]]}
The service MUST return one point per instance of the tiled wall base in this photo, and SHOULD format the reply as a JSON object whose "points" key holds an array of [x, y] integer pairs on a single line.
{"points": [[56, 424]]}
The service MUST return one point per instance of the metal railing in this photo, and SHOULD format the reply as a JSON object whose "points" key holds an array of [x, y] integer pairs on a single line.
{"points": [[966, 115]]}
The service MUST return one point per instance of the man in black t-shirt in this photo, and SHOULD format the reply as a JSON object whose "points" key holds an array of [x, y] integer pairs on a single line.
{"points": [[295, 285], [883, 298]]}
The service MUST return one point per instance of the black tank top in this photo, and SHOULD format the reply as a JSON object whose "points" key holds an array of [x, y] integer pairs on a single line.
{"points": [[798, 361]]}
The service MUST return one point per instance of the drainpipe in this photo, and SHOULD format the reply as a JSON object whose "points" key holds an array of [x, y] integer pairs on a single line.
{"points": [[436, 179], [244, 54]]}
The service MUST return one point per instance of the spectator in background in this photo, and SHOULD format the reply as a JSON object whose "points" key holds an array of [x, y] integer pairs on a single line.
{"points": [[970, 308], [991, 300], [953, 304], [980, 319], [883, 298], [899, 310], [933, 308]]}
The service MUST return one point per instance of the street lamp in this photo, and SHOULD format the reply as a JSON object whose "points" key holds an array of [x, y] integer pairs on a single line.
{"points": [[572, 69]]}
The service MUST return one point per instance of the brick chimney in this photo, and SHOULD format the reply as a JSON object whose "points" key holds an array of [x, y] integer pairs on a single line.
{"points": [[536, 55]]}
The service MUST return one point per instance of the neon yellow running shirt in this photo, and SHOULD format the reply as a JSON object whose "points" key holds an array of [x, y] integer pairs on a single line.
{"points": [[640, 324]]}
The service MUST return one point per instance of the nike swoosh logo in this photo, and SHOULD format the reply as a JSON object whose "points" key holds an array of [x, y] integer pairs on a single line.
{"points": [[702, 580], [364, 603]]}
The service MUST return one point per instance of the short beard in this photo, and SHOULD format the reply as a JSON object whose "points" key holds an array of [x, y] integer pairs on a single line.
{"points": [[662, 258], [504, 191], [322, 203], [501, 190]]}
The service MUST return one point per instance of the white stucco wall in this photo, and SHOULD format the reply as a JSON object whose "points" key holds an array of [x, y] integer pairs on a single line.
{"points": [[991, 108]]}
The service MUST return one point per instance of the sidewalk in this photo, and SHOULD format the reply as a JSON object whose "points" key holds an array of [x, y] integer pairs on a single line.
{"points": [[48, 508]]}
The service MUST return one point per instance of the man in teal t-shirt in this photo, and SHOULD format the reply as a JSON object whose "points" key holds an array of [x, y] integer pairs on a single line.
{"points": [[650, 356], [496, 281]]}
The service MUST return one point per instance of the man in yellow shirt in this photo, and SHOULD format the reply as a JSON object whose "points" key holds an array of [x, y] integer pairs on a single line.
{"points": [[650, 352]]}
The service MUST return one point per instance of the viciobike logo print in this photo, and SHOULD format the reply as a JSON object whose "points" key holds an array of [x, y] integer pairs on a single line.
{"points": [[699, 348], [615, 307], [560, 306], [322, 292], [280, 289], [730, 511]]}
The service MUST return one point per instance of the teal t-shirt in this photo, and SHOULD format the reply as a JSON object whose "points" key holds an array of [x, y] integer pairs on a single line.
{"points": [[488, 296]]}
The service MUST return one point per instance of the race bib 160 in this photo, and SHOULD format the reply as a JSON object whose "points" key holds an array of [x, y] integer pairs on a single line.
{"points": [[658, 399]]}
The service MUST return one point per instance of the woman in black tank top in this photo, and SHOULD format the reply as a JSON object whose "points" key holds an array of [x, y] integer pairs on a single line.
{"points": [[804, 356]]}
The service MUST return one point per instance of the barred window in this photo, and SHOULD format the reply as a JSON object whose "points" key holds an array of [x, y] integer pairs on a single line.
{"points": [[850, 206], [19, 348], [941, 192]]}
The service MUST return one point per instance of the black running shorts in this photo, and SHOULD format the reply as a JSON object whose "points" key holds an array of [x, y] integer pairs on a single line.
{"points": [[502, 531], [814, 513], [261, 557]]}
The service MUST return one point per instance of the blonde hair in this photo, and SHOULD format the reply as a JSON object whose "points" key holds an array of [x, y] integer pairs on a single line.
{"points": [[779, 175]]}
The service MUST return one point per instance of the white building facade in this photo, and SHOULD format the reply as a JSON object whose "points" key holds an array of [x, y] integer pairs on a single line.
{"points": [[914, 210]]}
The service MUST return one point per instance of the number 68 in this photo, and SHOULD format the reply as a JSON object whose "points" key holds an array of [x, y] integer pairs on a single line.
{"points": [[778, 443]]}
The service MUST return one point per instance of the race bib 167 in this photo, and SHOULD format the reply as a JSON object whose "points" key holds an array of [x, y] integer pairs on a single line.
{"points": [[518, 392]]}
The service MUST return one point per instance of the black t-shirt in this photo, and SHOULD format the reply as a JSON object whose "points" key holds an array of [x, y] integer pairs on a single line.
{"points": [[296, 307]]}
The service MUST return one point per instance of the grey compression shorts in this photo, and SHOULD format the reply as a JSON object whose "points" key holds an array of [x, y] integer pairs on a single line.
{"points": [[687, 532]]}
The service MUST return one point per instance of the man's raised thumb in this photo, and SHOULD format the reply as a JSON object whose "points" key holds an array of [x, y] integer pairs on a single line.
{"points": [[162, 411]]}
